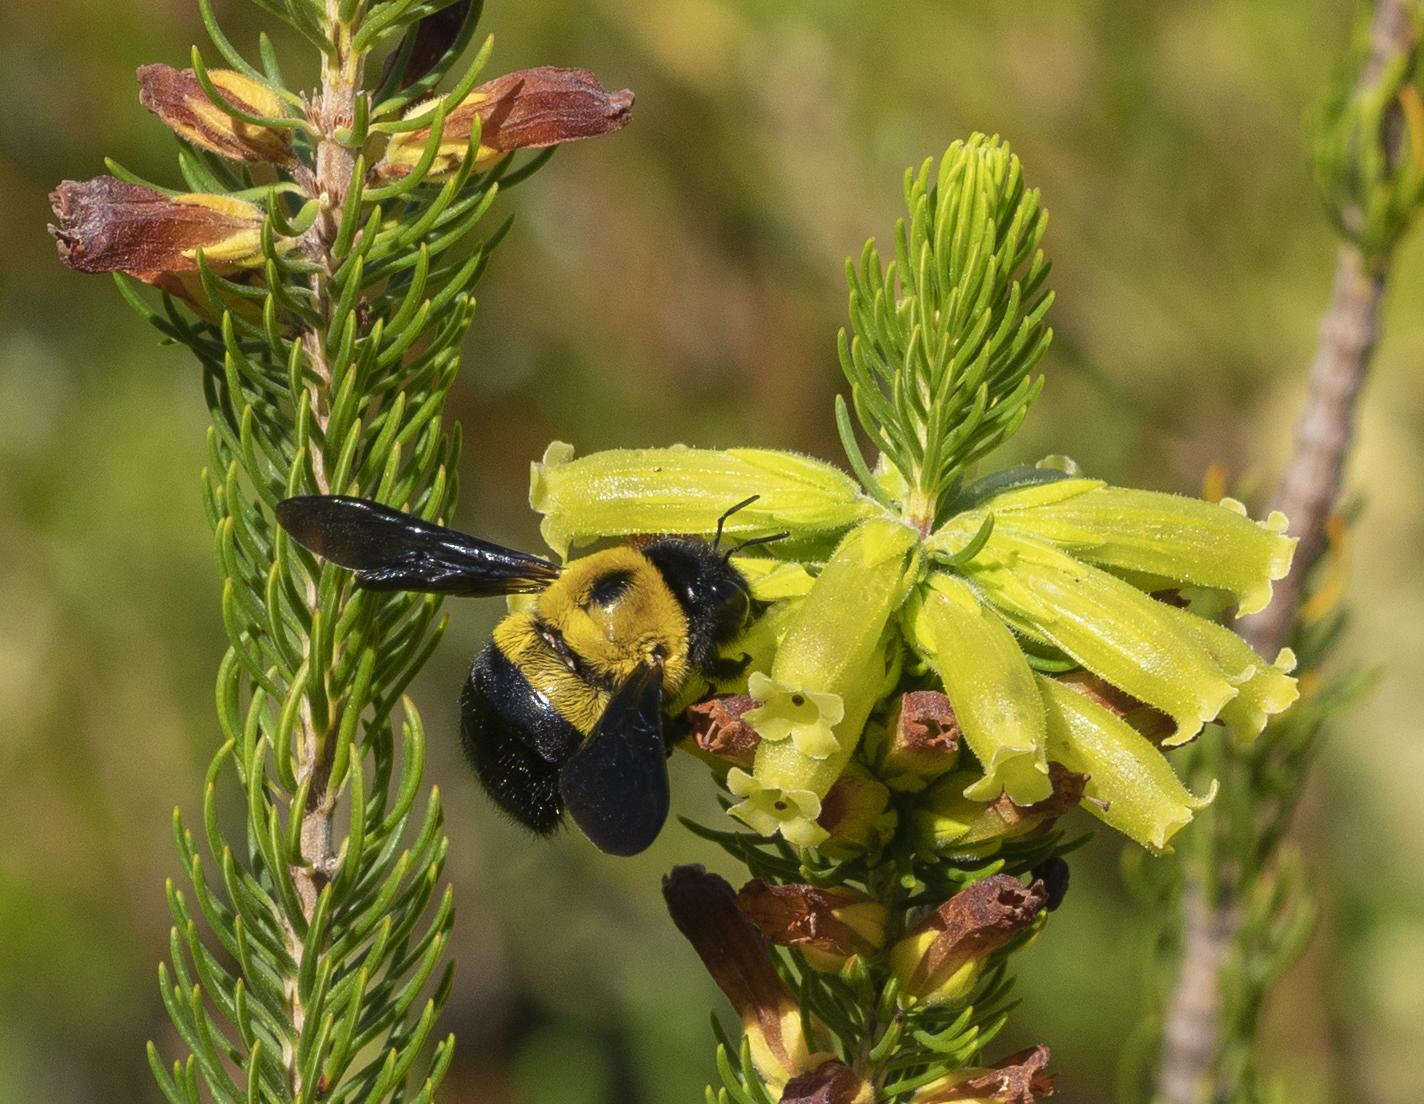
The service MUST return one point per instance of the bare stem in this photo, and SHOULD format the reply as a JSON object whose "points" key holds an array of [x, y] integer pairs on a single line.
{"points": [[1310, 488], [1309, 493]]}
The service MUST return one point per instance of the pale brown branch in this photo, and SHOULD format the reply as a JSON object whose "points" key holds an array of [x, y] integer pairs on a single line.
{"points": [[1310, 488], [331, 109], [1188, 1071]]}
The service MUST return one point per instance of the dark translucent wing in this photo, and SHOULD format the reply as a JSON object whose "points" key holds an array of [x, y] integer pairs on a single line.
{"points": [[390, 550], [615, 786]]}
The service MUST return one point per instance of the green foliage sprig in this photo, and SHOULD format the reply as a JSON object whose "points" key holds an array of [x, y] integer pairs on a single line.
{"points": [[946, 337], [321, 271], [1368, 139]]}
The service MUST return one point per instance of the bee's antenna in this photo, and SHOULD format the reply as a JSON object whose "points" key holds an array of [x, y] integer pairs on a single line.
{"points": [[721, 521], [754, 542]]}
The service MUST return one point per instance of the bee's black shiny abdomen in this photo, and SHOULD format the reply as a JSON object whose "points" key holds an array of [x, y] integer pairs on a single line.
{"points": [[515, 739]]}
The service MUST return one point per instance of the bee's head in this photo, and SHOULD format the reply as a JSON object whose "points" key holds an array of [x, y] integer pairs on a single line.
{"points": [[713, 594]]}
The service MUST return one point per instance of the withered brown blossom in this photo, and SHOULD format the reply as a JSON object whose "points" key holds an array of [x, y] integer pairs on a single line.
{"points": [[827, 926], [940, 959], [717, 728], [704, 908], [434, 35], [1021, 1078], [111, 225], [176, 97], [832, 1082], [922, 739], [527, 109]]}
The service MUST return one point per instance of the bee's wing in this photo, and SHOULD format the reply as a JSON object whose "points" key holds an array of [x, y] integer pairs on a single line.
{"points": [[615, 786], [390, 550]]}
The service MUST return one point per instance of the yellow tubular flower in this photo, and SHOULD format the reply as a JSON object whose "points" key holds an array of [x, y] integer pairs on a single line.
{"points": [[991, 687], [1131, 786], [835, 646], [624, 492], [1106, 624]]}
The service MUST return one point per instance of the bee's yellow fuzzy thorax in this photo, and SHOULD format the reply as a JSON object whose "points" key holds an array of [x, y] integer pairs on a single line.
{"points": [[614, 613]]}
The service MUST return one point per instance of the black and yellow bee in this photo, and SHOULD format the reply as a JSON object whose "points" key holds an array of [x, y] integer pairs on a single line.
{"points": [[563, 708]]}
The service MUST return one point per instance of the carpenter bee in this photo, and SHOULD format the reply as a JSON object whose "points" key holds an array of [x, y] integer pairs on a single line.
{"points": [[563, 708]]}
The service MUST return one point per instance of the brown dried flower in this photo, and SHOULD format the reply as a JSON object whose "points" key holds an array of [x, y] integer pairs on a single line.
{"points": [[940, 960], [832, 1082], [109, 225], [704, 908], [827, 926], [921, 741], [526, 109], [1018, 1079], [176, 97], [717, 729]]}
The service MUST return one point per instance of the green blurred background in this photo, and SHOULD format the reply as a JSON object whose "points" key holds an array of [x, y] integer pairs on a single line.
{"points": [[682, 281]]}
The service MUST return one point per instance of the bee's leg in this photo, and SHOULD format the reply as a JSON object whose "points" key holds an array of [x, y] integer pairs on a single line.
{"points": [[724, 668]]}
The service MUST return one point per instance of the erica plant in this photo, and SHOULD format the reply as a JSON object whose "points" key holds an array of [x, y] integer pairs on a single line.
{"points": [[948, 658], [318, 258], [944, 658]]}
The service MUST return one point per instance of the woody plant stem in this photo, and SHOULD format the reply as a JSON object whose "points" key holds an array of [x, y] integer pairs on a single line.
{"points": [[1308, 495], [331, 108]]}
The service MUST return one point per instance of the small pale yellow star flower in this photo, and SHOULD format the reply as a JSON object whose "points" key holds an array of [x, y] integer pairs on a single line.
{"points": [[769, 809], [807, 717]]}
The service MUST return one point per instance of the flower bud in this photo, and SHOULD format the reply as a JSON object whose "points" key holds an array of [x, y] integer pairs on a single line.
{"points": [[1018, 1079], [832, 1082], [176, 97], [110, 225], [855, 813], [941, 959], [704, 908], [827, 926], [527, 109], [719, 731], [921, 740], [949, 824]]}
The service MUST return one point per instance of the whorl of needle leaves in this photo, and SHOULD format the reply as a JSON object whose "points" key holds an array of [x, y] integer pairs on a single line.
{"points": [[945, 337]]}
